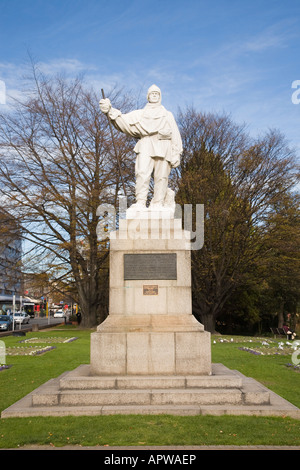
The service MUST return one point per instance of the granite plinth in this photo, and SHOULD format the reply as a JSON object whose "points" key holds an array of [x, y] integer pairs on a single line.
{"points": [[150, 328]]}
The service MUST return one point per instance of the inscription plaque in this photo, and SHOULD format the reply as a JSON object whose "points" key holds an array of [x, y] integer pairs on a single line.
{"points": [[150, 266], [150, 290]]}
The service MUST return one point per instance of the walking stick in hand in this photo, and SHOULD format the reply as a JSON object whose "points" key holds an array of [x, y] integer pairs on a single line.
{"points": [[115, 149]]}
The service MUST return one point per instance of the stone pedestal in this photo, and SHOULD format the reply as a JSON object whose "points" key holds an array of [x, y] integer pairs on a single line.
{"points": [[150, 329]]}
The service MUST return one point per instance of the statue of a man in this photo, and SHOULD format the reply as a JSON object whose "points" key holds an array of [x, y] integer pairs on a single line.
{"points": [[158, 148]]}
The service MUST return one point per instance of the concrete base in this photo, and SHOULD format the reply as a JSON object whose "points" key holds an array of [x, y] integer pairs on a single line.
{"points": [[150, 344], [79, 393], [150, 328]]}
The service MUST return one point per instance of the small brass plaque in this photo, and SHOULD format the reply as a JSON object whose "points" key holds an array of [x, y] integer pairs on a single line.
{"points": [[150, 290]]}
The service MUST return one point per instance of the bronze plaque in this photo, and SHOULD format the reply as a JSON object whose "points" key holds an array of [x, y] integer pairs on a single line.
{"points": [[150, 266], [150, 290]]}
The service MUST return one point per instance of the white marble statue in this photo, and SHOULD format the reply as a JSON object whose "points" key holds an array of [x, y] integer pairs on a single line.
{"points": [[158, 148]]}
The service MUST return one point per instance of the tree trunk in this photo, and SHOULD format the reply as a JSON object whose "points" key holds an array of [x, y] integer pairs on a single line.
{"points": [[207, 319], [209, 323], [280, 314], [93, 306], [89, 317]]}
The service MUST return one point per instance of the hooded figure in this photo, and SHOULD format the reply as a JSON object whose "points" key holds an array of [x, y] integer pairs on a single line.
{"points": [[158, 148]]}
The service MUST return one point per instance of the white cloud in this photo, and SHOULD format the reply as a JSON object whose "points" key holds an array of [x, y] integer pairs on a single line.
{"points": [[277, 35], [71, 67]]}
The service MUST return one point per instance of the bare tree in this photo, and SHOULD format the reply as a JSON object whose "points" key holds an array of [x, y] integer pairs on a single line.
{"points": [[57, 166]]}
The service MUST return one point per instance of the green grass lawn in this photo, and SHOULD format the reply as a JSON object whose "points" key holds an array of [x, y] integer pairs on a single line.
{"points": [[27, 372]]}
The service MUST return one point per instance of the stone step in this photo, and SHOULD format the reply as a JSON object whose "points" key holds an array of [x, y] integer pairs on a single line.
{"points": [[149, 382], [182, 410], [252, 399], [148, 397]]}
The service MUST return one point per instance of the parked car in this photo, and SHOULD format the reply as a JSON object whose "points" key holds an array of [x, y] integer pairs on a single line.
{"points": [[21, 317], [30, 313], [5, 322], [59, 314]]}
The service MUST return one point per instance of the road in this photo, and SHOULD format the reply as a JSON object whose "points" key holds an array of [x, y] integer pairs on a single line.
{"points": [[40, 321], [46, 321]]}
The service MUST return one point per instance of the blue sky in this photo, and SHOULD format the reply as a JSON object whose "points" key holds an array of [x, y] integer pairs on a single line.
{"points": [[235, 56]]}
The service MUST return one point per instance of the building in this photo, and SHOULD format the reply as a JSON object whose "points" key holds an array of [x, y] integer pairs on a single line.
{"points": [[10, 261]]}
